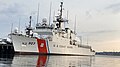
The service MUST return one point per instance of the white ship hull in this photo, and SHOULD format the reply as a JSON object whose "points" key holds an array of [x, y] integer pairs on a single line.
{"points": [[25, 45], [50, 39]]}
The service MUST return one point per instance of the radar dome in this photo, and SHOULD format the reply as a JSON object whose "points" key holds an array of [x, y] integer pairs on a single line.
{"points": [[44, 20], [16, 30]]}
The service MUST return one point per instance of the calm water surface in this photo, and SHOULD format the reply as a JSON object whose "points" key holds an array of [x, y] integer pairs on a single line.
{"points": [[58, 61]]}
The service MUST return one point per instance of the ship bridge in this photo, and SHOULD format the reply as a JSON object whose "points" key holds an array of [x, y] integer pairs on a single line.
{"points": [[43, 28]]}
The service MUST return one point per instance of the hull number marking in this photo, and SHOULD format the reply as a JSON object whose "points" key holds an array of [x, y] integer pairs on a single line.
{"points": [[28, 43]]}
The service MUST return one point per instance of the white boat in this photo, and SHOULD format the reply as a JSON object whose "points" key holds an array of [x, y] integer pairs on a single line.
{"points": [[49, 39]]}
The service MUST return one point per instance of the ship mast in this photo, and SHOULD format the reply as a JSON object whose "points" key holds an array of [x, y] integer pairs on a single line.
{"points": [[30, 22], [75, 26], [29, 28], [61, 8], [59, 18], [50, 13], [38, 14]]}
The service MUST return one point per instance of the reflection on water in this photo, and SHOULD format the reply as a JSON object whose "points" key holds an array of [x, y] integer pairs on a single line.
{"points": [[45, 61], [5, 60], [58, 61]]}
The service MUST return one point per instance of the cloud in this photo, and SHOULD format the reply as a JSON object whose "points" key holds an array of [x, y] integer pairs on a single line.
{"points": [[11, 9], [115, 8], [100, 32], [105, 31]]}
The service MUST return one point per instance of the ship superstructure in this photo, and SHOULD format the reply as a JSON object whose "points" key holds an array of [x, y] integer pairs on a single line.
{"points": [[49, 39]]}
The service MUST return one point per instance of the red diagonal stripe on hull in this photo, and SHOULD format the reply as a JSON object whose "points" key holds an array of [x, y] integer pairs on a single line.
{"points": [[42, 46]]}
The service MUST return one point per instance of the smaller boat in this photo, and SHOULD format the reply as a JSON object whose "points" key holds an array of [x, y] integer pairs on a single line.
{"points": [[6, 46]]}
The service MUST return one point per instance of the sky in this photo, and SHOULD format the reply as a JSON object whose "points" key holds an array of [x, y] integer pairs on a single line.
{"points": [[97, 21]]}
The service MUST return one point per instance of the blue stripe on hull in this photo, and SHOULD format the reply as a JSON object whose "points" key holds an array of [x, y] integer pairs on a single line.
{"points": [[47, 46]]}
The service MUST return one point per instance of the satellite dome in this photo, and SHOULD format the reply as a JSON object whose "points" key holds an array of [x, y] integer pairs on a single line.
{"points": [[16, 30], [44, 20]]}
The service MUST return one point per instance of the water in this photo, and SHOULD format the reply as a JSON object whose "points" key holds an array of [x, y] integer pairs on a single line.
{"points": [[58, 61]]}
